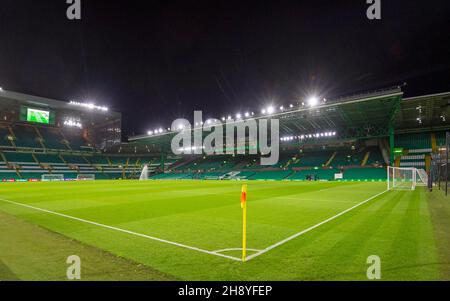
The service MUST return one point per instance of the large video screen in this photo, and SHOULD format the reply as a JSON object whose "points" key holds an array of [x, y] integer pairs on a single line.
{"points": [[38, 116]]}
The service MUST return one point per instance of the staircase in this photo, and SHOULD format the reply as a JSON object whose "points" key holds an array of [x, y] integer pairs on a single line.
{"points": [[384, 147], [86, 160], [182, 163], [4, 158], [11, 132], [65, 141], [434, 147], [230, 175], [331, 159], [365, 159], [62, 159], [18, 173], [39, 136]]}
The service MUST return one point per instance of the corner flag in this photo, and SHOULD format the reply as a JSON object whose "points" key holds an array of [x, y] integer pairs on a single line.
{"points": [[244, 196], [244, 221]]}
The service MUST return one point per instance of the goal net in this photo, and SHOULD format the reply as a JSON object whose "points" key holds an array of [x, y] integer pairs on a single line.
{"points": [[85, 177], [144, 173], [401, 178], [52, 177], [422, 177]]}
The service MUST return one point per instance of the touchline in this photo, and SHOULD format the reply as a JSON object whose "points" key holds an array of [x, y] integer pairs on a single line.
{"points": [[208, 137]]}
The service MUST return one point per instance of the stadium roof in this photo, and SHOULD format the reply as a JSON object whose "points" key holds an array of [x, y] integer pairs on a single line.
{"points": [[424, 113], [11, 99], [361, 116]]}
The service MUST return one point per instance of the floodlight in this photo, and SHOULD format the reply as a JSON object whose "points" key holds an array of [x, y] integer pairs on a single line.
{"points": [[1, 89], [313, 101], [238, 116], [229, 117], [247, 114], [291, 106], [270, 109], [223, 118], [281, 108], [150, 133], [263, 111]]}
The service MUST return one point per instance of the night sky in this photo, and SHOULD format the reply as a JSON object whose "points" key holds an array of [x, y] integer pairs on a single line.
{"points": [[159, 60]]}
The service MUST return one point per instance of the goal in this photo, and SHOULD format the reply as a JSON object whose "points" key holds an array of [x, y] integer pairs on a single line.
{"points": [[85, 177], [405, 178], [52, 177]]}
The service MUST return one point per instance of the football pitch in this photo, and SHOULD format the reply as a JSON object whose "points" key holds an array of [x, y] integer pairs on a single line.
{"points": [[192, 230]]}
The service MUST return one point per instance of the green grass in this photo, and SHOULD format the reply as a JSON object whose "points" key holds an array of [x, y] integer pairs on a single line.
{"points": [[404, 228]]}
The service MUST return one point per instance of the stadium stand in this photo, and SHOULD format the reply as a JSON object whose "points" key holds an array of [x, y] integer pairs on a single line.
{"points": [[416, 147], [25, 136], [271, 175], [29, 150], [4, 132], [52, 138], [312, 159], [315, 174], [74, 139], [374, 157], [362, 174]]}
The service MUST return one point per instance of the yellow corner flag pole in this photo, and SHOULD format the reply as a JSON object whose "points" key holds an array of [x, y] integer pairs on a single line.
{"points": [[244, 221]]}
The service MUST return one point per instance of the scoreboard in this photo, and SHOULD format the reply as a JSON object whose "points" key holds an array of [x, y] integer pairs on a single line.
{"points": [[37, 115]]}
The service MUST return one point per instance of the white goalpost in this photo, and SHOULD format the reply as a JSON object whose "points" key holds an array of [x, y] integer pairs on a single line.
{"points": [[405, 178], [85, 177], [144, 173]]}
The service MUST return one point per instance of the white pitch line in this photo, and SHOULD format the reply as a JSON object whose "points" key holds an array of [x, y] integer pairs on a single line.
{"points": [[235, 249], [311, 228], [122, 230]]}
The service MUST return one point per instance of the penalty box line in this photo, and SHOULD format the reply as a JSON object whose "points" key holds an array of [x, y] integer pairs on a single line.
{"points": [[122, 230], [312, 227]]}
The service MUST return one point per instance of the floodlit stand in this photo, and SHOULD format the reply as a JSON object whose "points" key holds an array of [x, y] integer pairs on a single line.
{"points": [[144, 173]]}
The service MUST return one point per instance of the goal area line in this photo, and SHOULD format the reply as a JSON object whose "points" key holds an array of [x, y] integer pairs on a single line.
{"points": [[218, 253]]}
